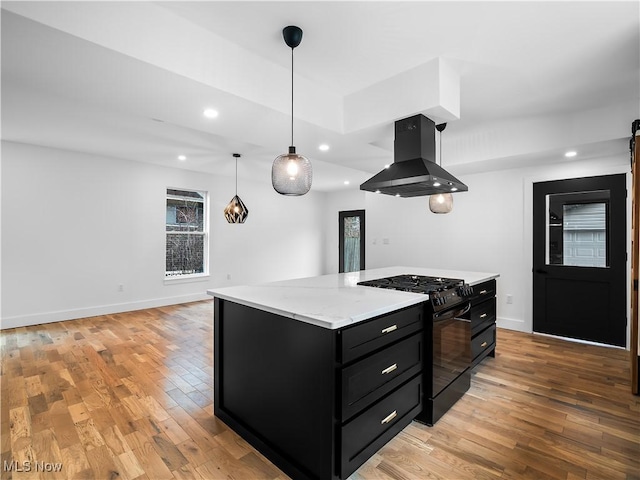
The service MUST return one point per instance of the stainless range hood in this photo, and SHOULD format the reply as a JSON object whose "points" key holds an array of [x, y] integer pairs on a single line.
{"points": [[414, 171]]}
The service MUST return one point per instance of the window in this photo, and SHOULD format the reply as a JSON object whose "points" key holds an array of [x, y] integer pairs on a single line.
{"points": [[578, 229], [351, 241], [186, 231]]}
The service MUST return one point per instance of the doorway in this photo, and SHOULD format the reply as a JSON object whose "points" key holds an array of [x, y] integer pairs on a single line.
{"points": [[579, 259], [351, 241]]}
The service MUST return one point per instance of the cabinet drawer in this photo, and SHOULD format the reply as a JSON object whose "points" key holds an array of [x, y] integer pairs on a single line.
{"points": [[483, 291], [374, 334], [484, 341], [366, 433], [366, 381], [482, 315]]}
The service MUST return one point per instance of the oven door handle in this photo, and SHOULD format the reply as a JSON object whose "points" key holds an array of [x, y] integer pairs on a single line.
{"points": [[449, 314]]}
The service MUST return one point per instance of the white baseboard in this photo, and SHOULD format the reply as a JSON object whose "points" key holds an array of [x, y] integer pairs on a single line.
{"points": [[512, 324], [578, 340], [62, 315]]}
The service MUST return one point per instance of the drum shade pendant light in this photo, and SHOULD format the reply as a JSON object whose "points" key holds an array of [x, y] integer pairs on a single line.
{"points": [[291, 173], [236, 211], [441, 202]]}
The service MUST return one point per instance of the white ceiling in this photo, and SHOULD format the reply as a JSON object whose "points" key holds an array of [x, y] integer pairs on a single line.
{"points": [[131, 79]]}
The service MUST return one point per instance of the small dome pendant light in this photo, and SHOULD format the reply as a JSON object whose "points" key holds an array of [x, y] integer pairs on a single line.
{"points": [[441, 202], [291, 173], [236, 211]]}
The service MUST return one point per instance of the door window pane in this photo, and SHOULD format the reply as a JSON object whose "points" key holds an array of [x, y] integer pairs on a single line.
{"points": [[577, 229], [351, 244]]}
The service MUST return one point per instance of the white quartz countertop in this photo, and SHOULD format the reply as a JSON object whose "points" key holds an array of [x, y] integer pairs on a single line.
{"points": [[335, 301]]}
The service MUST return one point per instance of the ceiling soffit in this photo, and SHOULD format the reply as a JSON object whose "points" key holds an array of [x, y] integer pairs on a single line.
{"points": [[192, 62], [177, 45]]}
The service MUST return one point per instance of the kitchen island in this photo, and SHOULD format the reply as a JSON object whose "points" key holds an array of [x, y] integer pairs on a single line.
{"points": [[318, 373]]}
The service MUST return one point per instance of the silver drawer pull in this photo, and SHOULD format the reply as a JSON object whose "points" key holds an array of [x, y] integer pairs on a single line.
{"points": [[482, 292], [389, 369], [483, 315], [389, 417], [484, 344], [390, 329]]}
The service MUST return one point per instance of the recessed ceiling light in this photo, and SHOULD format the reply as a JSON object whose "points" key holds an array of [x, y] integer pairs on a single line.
{"points": [[436, 184], [397, 194], [182, 158], [324, 147], [377, 191], [454, 189], [210, 113], [346, 182], [387, 166], [570, 153]]}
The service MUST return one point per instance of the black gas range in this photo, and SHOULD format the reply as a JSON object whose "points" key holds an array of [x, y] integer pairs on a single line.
{"points": [[443, 292], [447, 343]]}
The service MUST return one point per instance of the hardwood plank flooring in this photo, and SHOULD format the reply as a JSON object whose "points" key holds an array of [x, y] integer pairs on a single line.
{"points": [[130, 396]]}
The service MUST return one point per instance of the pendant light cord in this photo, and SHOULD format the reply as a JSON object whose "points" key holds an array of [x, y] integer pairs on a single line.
{"points": [[292, 96], [236, 176]]}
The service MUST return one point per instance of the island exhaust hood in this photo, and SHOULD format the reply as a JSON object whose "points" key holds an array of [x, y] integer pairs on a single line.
{"points": [[414, 171]]}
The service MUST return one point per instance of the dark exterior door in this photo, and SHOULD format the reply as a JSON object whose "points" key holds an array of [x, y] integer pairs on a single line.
{"points": [[351, 241], [579, 259]]}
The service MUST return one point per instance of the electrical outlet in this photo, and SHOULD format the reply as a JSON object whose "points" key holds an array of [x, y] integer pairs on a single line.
{"points": [[121, 287], [509, 298], [385, 241]]}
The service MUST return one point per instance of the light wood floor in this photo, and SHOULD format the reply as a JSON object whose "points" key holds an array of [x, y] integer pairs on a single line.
{"points": [[130, 396]]}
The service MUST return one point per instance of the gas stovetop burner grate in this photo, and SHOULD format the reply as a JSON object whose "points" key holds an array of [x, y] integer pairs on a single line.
{"points": [[414, 283]]}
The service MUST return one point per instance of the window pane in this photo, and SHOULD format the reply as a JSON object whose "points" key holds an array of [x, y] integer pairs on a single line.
{"points": [[185, 211], [351, 244], [577, 229], [185, 254]]}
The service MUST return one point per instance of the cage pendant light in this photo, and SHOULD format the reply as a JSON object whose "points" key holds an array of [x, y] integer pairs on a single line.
{"points": [[441, 202], [236, 211], [291, 173]]}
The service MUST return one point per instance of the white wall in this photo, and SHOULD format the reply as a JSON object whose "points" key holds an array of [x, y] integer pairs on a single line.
{"points": [[484, 232], [489, 229], [75, 226]]}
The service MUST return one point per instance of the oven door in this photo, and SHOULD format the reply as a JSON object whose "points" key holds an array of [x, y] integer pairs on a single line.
{"points": [[451, 346]]}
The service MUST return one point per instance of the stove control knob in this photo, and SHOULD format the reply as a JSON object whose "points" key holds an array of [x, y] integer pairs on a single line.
{"points": [[465, 291]]}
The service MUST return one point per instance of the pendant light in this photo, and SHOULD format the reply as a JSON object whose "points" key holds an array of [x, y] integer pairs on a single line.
{"points": [[291, 173], [441, 202], [236, 211]]}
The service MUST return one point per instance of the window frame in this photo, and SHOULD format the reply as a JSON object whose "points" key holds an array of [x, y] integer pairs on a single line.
{"points": [[341, 217], [189, 277]]}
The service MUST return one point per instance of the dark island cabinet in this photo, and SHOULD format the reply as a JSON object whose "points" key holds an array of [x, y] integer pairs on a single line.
{"points": [[316, 402], [483, 321]]}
